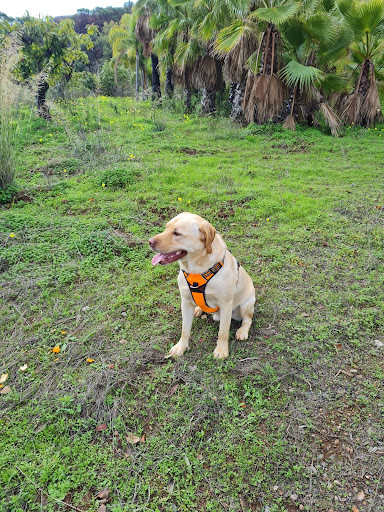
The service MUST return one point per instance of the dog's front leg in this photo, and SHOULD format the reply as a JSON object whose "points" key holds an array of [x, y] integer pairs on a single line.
{"points": [[187, 310], [221, 351]]}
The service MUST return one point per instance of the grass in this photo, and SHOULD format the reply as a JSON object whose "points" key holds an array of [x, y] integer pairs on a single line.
{"points": [[293, 419]]}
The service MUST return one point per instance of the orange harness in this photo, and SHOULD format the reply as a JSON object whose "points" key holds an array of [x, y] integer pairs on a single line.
{"points": [[197, 284]]}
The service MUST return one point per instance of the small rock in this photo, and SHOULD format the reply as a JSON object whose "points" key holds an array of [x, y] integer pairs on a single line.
{"points": [[293, 497], [85, 308], [123, 313], [275, 487], [378, 344], [360, 496]]}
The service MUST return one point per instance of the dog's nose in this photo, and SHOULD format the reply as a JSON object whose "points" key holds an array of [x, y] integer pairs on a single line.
{"points": [[152, 242]]}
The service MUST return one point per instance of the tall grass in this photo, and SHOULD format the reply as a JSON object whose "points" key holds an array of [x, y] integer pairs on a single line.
{"points": [[12, 95]]}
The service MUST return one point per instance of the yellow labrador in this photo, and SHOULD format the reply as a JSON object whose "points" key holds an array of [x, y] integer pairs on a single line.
{"points": [[210, 278]]}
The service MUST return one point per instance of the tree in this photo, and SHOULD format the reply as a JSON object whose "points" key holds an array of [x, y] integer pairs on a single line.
{"points": [[124, 42], [365, 22], [49, 51]]}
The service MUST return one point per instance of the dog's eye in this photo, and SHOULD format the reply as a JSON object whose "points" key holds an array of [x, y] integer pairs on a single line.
{"points": [[176, 233]]}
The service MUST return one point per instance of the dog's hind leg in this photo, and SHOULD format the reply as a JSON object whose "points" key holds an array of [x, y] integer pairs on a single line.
{"points": [[246, 313]]}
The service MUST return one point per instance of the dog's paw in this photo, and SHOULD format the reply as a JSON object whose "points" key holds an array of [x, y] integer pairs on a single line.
{"points": [[198, 312], [242, 333], [220, 353], [178, 350]]}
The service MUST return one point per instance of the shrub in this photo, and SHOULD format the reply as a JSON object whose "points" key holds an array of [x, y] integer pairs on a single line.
{"points": [[107, 81], [117, 178]]}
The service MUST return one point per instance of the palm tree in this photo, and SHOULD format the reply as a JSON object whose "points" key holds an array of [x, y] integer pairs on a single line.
{"points": [[312, 42], [365, 21], [124, 42], [236, 43], [145, 34]]}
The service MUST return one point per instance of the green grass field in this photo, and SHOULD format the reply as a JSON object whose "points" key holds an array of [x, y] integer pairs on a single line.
{"points": [[293, 419]]}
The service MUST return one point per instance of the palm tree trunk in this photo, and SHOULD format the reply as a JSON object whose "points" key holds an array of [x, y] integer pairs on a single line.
{"points": [[208, 101], [237, 113], [168, 83], [42, 108], [137, 74], [156, 92]]}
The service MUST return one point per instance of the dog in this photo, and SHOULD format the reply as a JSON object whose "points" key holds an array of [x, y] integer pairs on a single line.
{"points": [[210, 279]]}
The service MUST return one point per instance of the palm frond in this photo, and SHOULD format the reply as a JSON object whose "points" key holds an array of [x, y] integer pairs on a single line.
{"points": [[362, 17], [320, 28], [331, 119], [296, 74], [276, 15], [293, 32], [290, 123], [229, 37], [332, 82]]}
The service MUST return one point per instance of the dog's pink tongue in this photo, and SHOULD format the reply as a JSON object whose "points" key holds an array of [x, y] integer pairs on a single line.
{"points": [[157, 258]]}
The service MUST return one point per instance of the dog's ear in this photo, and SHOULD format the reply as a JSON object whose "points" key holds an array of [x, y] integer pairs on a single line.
{"points": [[209, 233]]}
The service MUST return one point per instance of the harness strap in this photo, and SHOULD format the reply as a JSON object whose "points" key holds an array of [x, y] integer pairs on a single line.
{"points": [[197, 284]]}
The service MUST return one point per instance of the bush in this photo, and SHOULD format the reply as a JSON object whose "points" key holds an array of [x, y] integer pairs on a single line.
{"points": [[7, 193], [107, 80], [117, 178]]}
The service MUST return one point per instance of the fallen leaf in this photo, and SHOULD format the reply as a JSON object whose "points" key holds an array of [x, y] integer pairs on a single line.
{"points": [[199, 457], [110, 366], [5, 390], [89, 360], [40, 428], [56, 350], [173, 389], [360, 496], [102, 508], [101, 427], [23, 368], [103, 494], [142, 439], [3, 378], [354, 509], [132, 438]]}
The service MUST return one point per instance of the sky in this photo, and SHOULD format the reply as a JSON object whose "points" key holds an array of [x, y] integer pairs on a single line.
{"points": [[16, 8]]}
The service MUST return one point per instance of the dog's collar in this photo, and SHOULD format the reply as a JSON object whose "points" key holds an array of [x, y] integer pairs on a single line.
{"points": [[198, 282]]}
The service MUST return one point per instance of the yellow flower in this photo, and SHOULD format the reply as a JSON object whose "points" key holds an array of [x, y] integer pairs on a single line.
{"points": [[188, 202], [111, 122], [267, 220], [63, 332], [89, 360], [64, 170], [50, 134], [179, 199], [56, 350], [12, 235], [40, 140], [103, 185], [131, 156]]}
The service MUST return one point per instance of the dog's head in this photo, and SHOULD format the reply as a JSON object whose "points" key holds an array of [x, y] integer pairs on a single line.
{"points": [[185, 234]]}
